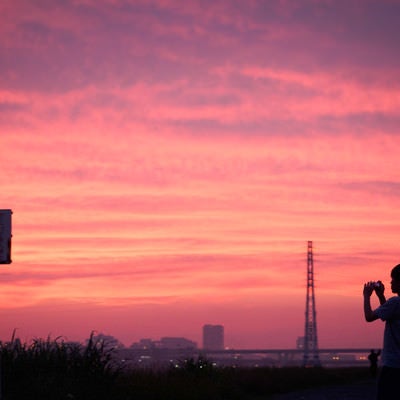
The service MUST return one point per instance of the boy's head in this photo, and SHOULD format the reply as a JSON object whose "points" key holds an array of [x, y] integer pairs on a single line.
{"points": [[395, 275]]}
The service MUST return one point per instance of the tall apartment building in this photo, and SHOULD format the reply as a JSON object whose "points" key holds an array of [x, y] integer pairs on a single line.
{"points": [[213, 337]]}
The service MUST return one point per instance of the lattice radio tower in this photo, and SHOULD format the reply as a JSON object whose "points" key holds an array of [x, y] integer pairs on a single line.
{"points": [[311, 356]]}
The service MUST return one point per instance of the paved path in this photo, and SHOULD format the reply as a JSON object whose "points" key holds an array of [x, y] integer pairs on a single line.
{"points": [[361, 391]]}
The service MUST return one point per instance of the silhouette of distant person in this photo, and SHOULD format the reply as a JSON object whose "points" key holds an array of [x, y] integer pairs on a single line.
{"points": [[373, 362], [389, 312]]}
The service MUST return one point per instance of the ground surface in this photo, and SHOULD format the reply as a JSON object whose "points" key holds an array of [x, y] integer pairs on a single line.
{"points": [[361, 391]]}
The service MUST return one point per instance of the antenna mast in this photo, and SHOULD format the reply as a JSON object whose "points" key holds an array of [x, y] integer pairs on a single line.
{"points": [[311, 355]]}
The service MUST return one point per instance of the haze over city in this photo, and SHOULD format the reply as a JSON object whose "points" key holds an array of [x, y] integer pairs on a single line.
{"points": [[167, 161]]}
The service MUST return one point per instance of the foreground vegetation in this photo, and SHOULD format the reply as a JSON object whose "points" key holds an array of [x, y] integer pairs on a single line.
{"points": [[56, 370]]}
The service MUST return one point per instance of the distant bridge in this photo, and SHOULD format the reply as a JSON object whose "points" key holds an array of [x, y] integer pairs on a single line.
{"points": [[247, 357], [288, 351], [287, 357]]}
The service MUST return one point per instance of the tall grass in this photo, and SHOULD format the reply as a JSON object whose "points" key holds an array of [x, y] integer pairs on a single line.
{"points": [[57, 370]]}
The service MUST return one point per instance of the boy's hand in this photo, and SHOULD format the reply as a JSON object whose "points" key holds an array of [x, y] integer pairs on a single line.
{"points": [[368, 289], [380, 289]]}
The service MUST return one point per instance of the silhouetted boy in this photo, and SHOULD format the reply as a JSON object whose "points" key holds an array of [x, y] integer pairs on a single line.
{"points": [[388, 311]]}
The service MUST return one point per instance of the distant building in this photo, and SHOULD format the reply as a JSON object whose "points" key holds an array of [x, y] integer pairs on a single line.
{"points": [[144, 344], [165, 343], [213, 337], [176, 343], [300, 343]]}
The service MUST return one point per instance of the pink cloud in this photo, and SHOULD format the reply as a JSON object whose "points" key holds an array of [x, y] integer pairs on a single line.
{"points": [[163, 157]]}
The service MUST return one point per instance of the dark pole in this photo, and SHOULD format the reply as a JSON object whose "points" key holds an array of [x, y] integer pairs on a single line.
{"points": [[311, 356], [5, 258]]}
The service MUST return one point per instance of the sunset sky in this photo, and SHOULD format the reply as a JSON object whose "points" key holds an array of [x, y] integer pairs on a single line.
{"points": [[167, 161]]}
